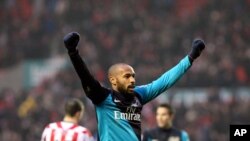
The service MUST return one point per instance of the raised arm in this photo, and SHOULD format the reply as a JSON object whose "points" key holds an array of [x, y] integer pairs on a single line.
{"points": [[169, 78], [92, 87]]}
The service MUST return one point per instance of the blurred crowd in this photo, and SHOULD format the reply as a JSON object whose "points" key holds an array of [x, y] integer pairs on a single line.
{"points": [[24, 114], [151, 35]]}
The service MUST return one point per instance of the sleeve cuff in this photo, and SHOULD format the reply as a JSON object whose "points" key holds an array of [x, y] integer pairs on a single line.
{"points": [[72, 53], [190, 59]]}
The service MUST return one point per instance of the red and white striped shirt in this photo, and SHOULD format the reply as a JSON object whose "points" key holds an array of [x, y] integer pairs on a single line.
{"points": [[66, 131]]}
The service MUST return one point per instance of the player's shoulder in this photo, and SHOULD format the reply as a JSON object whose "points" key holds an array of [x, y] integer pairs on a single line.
{"points": [[51, 125], [83, 130], [184, 135], [184, 132], [59, 125], [179, 131]]}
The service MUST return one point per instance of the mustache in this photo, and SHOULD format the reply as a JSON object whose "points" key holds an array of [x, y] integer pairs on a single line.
{"points": [[131, 86]]}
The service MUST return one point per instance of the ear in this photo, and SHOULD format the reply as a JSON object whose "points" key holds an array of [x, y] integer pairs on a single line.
{"points": [[112, 80], [78, 115]]}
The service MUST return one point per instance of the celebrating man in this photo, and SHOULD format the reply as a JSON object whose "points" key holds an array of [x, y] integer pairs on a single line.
{"points": [[118, 109]]}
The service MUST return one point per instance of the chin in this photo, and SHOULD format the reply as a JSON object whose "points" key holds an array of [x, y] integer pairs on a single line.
{"points": [[161, 126], [130, 92]]}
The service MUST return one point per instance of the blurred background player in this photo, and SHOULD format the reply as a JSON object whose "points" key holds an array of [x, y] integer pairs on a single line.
{"points": [[165, 130], [118, 109], [68, 129]]}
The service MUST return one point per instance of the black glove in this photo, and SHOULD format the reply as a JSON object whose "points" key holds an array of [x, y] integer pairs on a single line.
{"points": [[71, 41], [197, 47]]}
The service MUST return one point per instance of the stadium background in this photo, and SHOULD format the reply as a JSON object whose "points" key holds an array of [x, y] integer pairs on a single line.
{"points": [[151, 35]]}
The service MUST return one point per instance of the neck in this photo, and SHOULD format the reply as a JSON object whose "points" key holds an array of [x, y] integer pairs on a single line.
{"points": [[70, 119], [123, 96]]}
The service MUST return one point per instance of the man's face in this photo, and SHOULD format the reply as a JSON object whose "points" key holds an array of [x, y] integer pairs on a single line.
{"points": [[163, 118], [124, 81]]}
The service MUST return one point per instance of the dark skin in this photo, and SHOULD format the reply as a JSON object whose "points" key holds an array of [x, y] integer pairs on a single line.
{"points": [[122, 78]]}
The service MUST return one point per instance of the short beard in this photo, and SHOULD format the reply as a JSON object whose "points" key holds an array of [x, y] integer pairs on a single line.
{"points": [[122, 90]]}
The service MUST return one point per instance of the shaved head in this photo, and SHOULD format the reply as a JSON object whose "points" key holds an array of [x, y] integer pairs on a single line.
{"points": [[117, 68], [122, 77]]}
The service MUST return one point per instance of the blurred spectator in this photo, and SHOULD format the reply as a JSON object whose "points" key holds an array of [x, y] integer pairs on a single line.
{"points": [[206, 120], [143, 33]]}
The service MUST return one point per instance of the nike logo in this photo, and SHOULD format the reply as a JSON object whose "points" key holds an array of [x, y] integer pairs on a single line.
{"points": [[117, 100], [134, 104]]}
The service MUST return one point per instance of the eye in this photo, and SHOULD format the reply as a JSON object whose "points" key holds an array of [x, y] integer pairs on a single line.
{"points": [[127, 76]]}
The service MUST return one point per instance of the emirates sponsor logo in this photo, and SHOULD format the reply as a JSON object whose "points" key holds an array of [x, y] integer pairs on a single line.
{"points": [[130, 114]]}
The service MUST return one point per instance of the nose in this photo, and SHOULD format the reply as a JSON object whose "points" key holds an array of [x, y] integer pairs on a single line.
{"points": [[132, 80]]}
